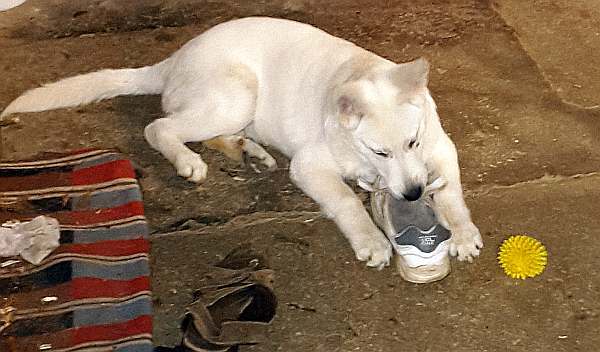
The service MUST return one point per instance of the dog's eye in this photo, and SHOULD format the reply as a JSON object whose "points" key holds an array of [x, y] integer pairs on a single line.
{"points": [[382, 153], [413, 143]]}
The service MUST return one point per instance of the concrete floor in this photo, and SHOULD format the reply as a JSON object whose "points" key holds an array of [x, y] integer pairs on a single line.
{"points": [[516, 85]]}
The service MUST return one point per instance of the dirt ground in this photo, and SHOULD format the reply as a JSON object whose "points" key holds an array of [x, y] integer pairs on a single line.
{"points": [[516, 84]]}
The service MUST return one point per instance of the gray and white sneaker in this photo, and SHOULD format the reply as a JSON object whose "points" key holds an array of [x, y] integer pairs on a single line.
{"points": [[9, 4], [420, 242]]}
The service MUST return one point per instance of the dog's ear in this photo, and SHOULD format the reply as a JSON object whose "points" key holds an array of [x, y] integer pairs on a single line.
{"points": [[411, 77], [349, 111]]}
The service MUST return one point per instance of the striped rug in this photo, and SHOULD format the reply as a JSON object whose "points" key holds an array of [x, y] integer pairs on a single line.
{"points": [[93, 292]]}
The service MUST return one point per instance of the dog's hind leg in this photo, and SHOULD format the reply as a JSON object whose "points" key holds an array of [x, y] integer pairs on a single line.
{"points": [[234, 148], [220, 105], [255, 150], [230, 146]]}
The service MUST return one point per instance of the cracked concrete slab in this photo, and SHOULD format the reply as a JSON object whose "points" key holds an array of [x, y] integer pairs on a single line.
{"points": [[476, 308], [521, 149]]}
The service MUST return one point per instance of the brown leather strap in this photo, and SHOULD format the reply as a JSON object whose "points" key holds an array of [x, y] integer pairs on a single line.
{"points": [[233, 307]]}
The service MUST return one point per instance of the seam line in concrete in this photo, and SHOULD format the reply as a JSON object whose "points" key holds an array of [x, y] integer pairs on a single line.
{"points": [[544, 180], [247, 220]]}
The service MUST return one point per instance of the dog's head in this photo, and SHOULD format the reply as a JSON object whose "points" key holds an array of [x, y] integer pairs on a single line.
{"points": [[386, 114]]}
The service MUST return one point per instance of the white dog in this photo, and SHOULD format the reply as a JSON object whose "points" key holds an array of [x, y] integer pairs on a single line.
{"points": [[338, 111]]}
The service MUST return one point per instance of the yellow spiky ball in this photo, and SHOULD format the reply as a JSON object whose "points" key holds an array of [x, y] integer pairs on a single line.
{"points": [[522, 257]]}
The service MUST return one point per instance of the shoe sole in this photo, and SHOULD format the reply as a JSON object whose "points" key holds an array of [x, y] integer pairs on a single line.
{"points": [[423, 274]]}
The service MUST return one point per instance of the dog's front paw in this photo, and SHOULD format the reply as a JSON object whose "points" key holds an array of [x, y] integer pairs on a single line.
{"points": [[375, 249], [191, 167], [466, 242]]}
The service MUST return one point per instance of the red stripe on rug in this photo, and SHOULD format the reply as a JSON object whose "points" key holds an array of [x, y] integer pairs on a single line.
{"points": [[38, 181], [82, 288], [32, 299], [140, 325], [74, 336], [89, 217], [109, 248], [103, 173]]}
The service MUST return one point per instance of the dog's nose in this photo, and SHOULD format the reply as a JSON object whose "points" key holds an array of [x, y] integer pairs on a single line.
{"points": [[413, 193]]}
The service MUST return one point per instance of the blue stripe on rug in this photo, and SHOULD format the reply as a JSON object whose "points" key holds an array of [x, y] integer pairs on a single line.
{"points": [[128, 270], [120, 232], [138, 346], [113, 313], [107, 199]]}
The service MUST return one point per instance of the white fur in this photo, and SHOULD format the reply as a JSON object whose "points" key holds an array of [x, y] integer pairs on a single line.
{"points": [[324, 102], [87, 88]]}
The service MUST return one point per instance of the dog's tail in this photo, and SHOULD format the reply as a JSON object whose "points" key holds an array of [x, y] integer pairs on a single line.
{"points": [[90, 87]]}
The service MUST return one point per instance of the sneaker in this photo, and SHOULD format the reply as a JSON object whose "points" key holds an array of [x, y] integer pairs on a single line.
{"points": [[9, 4], [420, 242]]}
